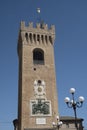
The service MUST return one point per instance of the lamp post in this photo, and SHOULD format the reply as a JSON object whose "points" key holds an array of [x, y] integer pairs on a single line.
{"points": [[58, 124], [74, 104]]}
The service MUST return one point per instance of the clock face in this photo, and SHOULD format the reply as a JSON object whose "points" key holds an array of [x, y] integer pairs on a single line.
{"points": [[39, 90]]}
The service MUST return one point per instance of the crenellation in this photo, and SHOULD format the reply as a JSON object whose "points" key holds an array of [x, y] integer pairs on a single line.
{"points": [[22, 25], [52, 28], [39, 34], [30, 24], [40, 26], [44, 26]]}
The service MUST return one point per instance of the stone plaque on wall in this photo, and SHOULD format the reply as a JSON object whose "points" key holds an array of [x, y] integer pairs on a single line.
{"points": [[40, 121]]}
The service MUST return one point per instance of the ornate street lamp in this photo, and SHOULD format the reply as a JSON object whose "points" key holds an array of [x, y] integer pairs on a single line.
{"points": [[58, 124], [74, 104]]}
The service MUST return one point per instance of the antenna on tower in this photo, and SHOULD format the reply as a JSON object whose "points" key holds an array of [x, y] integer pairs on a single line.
{"points": [[38, 10], [39, 17]]}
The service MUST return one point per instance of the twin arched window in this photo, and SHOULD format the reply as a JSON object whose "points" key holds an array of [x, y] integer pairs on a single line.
{"points": [[38, 56]]}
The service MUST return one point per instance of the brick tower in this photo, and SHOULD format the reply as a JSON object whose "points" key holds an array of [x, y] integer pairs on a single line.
{"points": [[37, 94]]}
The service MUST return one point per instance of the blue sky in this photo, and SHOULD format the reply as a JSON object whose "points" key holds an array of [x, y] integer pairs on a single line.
{"points": [[70, 20]]}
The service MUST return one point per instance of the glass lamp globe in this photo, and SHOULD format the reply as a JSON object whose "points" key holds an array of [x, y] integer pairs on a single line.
{"points": [[60, 123], [81, 99], [57, 117], [71, 101], [67, 99], [53, 123], [72, 90]]}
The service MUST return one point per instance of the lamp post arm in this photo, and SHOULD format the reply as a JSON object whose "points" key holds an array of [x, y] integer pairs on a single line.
{"points": [[69, 104], [79, 104]]}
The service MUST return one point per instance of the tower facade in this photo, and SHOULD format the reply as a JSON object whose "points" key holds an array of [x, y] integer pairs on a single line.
{"points": [[37, 93]]}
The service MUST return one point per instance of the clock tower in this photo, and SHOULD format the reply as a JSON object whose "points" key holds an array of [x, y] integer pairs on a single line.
{"points": [[37, 93]]}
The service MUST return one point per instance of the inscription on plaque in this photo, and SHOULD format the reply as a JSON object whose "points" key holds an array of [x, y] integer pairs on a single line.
{"points": [[40, 121]]}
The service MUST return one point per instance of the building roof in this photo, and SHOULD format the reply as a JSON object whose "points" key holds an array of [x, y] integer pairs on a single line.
{"points": [[69, 118]]}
